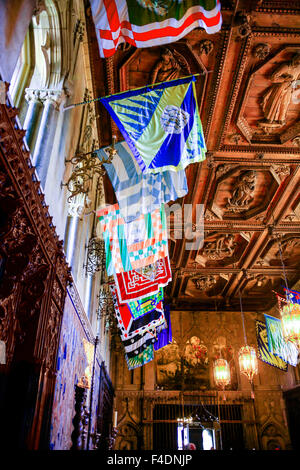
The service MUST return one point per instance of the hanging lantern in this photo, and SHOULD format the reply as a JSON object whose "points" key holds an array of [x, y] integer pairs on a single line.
{"points": [[248, 362], [221, 373], [290, 319]]}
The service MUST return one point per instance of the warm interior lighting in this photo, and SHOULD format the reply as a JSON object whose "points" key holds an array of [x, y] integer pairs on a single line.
{"points": [[290, 319], [248, 362], [221, 373]]}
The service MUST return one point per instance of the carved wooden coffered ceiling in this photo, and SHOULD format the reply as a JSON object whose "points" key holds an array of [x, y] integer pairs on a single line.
{"points": [[249, 102]]}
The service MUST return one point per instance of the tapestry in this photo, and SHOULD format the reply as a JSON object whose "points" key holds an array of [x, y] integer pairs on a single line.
{"points": [[138, 243], [183, 369], [196, 365], [169, 367], [139, 193], [146, 23], [137, 284], [264, 353], [161, 124]]}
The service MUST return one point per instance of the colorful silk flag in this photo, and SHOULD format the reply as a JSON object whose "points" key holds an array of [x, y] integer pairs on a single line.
{"points": [[137, 284], [161, 124], [129, 327], [137, 343], [276, 342], [264, 353], [140, 359], [293, 295], [164, 337], [145, 23], [147, 304], [139, 193], [136, 244]]}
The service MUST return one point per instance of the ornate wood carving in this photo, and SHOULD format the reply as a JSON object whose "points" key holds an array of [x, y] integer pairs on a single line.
{"points": [[35, 277], [242, 193], [170, 66]]}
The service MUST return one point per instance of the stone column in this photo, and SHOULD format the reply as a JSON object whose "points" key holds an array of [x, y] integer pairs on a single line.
{"points": [[47, 128], [32, 116]]}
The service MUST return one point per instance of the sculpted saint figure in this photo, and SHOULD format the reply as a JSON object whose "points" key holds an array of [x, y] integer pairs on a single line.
{"points": [[243, 192], [169, 66], [277, 98]]}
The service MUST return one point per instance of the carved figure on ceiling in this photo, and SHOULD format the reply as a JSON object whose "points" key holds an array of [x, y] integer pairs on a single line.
{"points": [[169, 67], [222, 247], [206, 46], [242, 194], [204, 283], [277, 98]]}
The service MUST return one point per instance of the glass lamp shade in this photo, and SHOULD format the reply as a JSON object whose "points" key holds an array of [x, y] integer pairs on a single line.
{"points": [[221, 373], [290, 319], [248, 362]]}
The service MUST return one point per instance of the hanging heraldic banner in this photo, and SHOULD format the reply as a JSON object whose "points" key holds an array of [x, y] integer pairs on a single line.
{"points": [[276, 343], [139, 193], [146, 23], [161, 124], [264, 353]]}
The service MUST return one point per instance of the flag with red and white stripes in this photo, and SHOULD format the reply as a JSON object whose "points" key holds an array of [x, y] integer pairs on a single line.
{"points": [[146, 23]]}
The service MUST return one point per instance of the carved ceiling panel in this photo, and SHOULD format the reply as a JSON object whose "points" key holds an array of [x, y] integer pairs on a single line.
{"points": [[242, 193], [247, 94], [270, 111], [204, 285], [285, 248], [221, 249]]}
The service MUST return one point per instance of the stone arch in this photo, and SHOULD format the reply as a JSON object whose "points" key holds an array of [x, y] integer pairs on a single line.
{"points": [[272, 436]]}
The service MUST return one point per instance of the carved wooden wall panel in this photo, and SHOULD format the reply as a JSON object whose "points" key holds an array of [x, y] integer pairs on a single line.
{"points": [[32, 291]]}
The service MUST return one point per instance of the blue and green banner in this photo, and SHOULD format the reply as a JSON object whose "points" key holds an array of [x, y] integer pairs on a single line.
{"points": [[264, 353], [161, 124]]}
